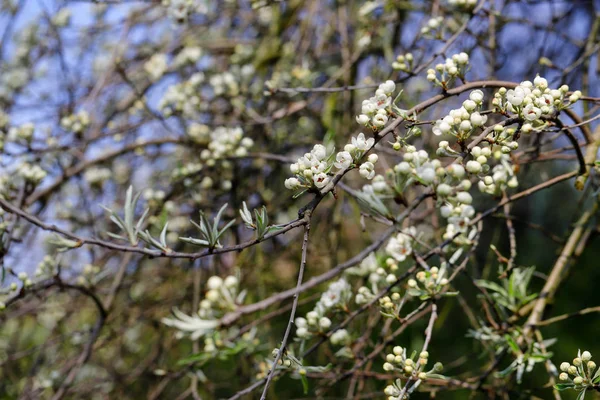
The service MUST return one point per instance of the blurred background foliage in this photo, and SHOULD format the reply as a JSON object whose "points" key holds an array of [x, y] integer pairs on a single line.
{"points": [[59, 58]]}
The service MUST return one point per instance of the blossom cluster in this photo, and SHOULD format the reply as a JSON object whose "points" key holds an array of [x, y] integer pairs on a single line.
{"points": [[432, 26], [409, 367], [179, 10], [311, 170], [226, 142], [375, 111], [227, 84], [13, 287], [580, 374], [454, 67], [31, 173], [23, 132], [428, 284], [450, 184], [463, 121], [223, 295], [75, 123], [156, 66], [96, 176], [534, 102], [222, 143], [89, 272], [189, 55], [463, 4], [154, 197], [380, 277], [404, 62], [318, 320], [46, 267], [353, 152], [502, 176], [183, 97]]}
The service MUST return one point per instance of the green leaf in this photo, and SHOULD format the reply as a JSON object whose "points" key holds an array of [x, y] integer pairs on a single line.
{"points": [[199, 358], [300, 193], [191, 240], [163, 235], [492, 286], [581, 394], [513, 345], [398, 98], [596, 378], [451, 294], [304, 383], [563, 386], [115, 236]]}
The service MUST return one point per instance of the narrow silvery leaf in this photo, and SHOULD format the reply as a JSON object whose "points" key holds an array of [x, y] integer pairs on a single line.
{"points": [[115, 236], [128, 208], [141, 220], [163, 235], [246, 215], [191, 240]]}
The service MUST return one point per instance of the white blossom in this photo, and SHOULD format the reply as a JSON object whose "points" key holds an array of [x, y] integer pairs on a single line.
{"points": [[343, 160], [400, 246]]}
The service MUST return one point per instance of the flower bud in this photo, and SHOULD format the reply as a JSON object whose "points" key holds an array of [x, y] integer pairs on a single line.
{"points": [[302, 332], [469, 105], [526, 128], [389, 390], [212, 295], [473, 167], [586, 356], [482, 160], [324, 322], [444, 189], [591, 366], [563, 376], [476, 96], [464, 197], [362, 119], [456, 170], [465, 126], [231, 282], [572, 370]]}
